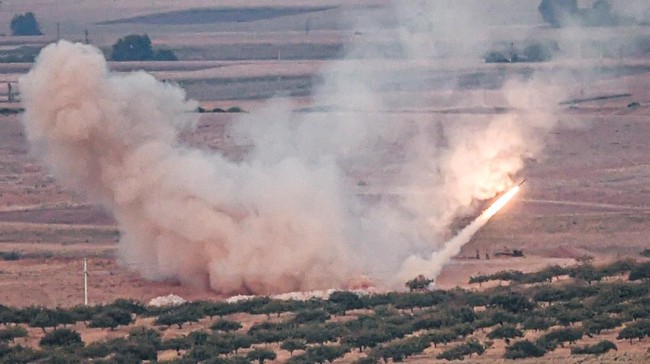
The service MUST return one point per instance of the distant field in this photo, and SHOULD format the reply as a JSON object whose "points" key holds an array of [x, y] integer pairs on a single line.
{"points": [[222, 15]]}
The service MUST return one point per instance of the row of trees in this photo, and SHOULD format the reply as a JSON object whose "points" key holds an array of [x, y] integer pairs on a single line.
{"points": [[383, 326], [584, 272], [129, 48]]}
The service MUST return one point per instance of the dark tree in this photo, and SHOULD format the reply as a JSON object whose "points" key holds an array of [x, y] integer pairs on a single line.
{"points": [[347, 300], [261, 355], [310, 316], [62, 337], [111, 317], [536, 322], [225, 326], [325, 353], [419, 283], [600, 348], [133, 48], [25, 24], [292, 345], [523, 349], [641, 271], [144, 336], [180, 315], [10, 333], [177, 343], [43, 319], [220, 309], [505, 332], [558, 12], [551, 339]]}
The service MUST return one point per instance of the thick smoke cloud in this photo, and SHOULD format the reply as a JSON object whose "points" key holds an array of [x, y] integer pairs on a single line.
{"points": [[291, 215]]}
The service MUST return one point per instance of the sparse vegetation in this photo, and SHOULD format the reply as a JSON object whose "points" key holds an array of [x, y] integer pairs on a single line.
{"points": [[390, 326], [533, 52]]}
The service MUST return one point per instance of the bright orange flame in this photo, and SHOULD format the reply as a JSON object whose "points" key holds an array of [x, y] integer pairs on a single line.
{"points": [[498, 205]]}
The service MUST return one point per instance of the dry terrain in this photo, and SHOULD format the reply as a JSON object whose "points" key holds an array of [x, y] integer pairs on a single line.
{"points": [[586, 194]]}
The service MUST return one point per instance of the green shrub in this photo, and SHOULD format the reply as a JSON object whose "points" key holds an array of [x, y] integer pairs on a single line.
{"points": [[225, 326], [401, 349], [505, 332], [11, 333], [601, 348], [235, 109], [551, 339], [347, 300], [640, 272], [261, 355], [325, 353], [19, 354], [97, 350], [61, 337], [459, 352], [12, 255], [311, 316], [180, 315], [292, 345], [523, 349], [111, 317], [635, 330]]}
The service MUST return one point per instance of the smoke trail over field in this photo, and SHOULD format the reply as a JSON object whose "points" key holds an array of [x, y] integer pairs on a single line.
{"points": [[415, 265], [291, 215]]}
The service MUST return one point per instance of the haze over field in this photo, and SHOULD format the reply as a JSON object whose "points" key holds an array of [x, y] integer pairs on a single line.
{"points": [[288, 215]]}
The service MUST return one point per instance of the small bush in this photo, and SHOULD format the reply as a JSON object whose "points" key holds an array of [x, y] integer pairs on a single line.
{"points": [[311, 316], [640, 272], [226, 326], [505, 332], [261, 355], [235, 109], [13, 255], [11, 333], [458, 352], [111, 317], [292, 345], [523, 349], [62, 337], [601, 348]]}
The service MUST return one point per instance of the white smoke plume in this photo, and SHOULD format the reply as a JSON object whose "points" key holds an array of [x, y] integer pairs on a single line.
{"points": [[290, 216], [414, 264]]}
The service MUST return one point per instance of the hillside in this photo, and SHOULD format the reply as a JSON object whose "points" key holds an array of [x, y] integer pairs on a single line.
{"points": [[573, 314]]}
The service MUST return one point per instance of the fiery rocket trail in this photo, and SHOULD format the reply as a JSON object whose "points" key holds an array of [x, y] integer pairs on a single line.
{"points": [[431, 267]]}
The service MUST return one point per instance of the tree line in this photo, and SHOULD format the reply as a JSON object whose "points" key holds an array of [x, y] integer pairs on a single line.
{"points": [[388, 326]]}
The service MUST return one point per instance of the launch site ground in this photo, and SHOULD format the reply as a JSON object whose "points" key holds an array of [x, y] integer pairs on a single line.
{"points": [[586, 194]]}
